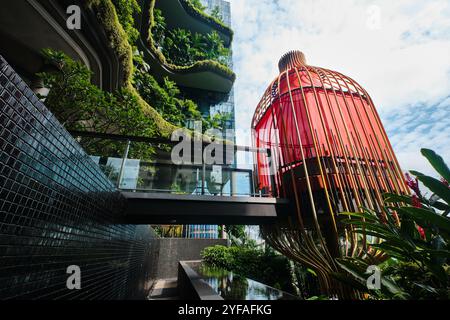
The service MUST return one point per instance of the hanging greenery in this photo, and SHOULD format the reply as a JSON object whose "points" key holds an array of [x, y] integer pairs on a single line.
{"points": [[197, 4], [126, 9], [155, 41], [182, 47], [80, 105]]}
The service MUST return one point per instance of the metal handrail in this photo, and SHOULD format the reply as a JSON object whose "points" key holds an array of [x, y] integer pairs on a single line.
{"points": [[130, 139], [118, 137]]}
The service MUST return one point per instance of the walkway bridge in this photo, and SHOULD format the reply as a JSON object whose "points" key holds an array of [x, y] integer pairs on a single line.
{"points": [[195, 191]]}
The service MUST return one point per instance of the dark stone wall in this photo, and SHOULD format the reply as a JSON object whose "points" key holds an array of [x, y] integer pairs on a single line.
{"points": [[173, 250], [58, 209]]}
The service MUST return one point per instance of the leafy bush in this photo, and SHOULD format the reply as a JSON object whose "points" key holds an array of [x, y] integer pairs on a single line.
{"points": [[165, 98], [80, 105], [125, 10], [106, 13], [267, 267], [199, 66], [197, 11], [215, 13], [197, 4], [418, 247], [159, 27], [184, 48]]}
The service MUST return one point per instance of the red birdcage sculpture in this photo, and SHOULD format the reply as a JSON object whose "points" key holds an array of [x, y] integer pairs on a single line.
{"points": [[329, 150]]}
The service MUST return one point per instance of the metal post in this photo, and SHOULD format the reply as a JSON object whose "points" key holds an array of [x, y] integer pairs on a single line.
{"points": [[203, 171], [122, 167], [271, 173]]}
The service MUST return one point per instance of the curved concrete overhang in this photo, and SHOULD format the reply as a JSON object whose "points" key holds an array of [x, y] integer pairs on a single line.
{"points": [[202, 75], [28, 26]]}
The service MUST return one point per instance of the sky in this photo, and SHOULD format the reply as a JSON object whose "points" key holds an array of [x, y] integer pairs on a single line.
{"points": [[399, 51]]}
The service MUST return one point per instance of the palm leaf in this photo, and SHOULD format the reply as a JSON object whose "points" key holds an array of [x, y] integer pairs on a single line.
{"points": [[434, 185], [437, 162], [392, 197], [426, 218]]}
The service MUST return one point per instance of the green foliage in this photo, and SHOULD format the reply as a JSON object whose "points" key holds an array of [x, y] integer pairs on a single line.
{"points": [[418, 248], [266, 267], [168, 231], [165, 98], [200, 14], [216, 121], [80, 105], [181, 47], [125, 10], [237, 231], [215, 13], [159, 27], [118, 39], [197, 4], [155, 42]]}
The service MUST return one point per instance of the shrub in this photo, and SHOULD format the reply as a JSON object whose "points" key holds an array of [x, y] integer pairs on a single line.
{"points": [[418, 247], [184, 48], [80, 105], [197, 4], [125, 10]]}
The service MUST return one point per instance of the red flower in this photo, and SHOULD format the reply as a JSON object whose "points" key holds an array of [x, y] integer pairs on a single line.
{"points": [[415, 201], [444, 182], [421, 232], [413, 184]]}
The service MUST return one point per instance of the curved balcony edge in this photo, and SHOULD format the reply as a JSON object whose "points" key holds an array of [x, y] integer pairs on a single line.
{"points": [[207, 74]]}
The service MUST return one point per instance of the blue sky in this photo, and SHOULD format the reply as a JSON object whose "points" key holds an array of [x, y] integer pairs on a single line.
{"points": [[399, 51]]}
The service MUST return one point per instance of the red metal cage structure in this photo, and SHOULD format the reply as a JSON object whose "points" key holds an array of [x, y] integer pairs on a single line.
{"points": [[330, 152]]}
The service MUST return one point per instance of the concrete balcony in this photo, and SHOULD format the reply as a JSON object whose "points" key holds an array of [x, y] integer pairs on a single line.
{"points": [[206, 75], [42, 24]]}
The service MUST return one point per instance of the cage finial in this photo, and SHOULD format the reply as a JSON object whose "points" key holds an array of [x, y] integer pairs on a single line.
{"points": [[294, 58]]}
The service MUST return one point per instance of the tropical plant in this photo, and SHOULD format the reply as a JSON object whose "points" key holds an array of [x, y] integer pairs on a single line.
{"points": [[159, 28], [80, 105], [215, 13], [417, 249], [184, 48], [197, 4], [217, 121], [177, 46], [125, 10], [168, 231], [237, 231], [165, 98]]}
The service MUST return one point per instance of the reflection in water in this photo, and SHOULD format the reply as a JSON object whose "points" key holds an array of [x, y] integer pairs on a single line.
{"points": [[231, 286]]}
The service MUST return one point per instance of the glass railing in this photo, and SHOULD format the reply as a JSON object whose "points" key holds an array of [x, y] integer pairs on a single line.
{"points": [[147, 165]]}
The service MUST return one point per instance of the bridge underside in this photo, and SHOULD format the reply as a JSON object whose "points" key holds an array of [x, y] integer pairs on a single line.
{"points": [[159, 208]]}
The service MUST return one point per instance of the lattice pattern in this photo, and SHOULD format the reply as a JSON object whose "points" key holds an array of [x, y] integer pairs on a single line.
{"points": [[57, 209], [331, 154]]}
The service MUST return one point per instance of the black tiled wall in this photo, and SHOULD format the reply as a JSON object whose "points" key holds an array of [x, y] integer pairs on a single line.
{"points": [[58, 209]]}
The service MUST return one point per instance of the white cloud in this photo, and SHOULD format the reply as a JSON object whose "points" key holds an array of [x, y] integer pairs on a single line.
{"points": [[401, 57]]}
